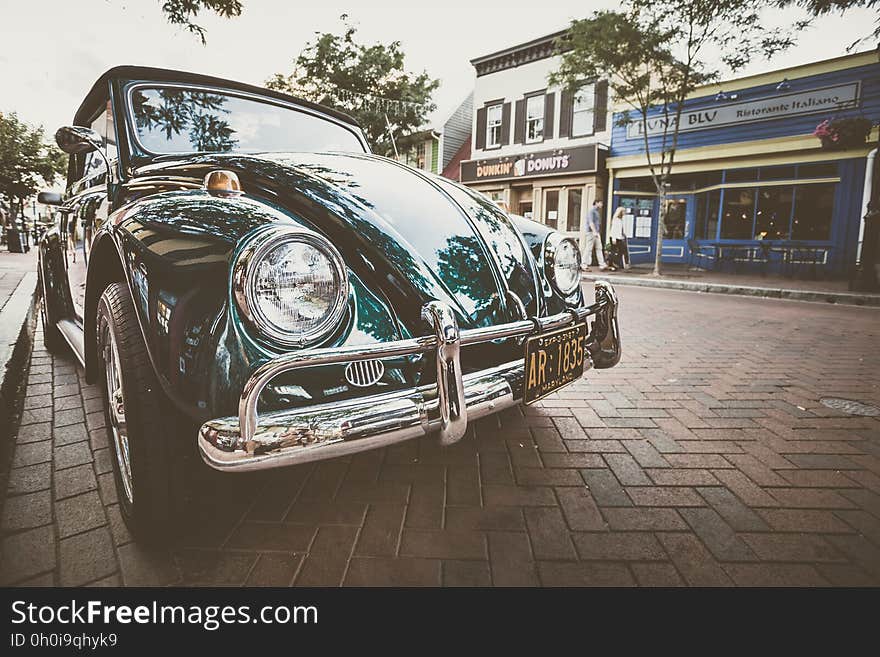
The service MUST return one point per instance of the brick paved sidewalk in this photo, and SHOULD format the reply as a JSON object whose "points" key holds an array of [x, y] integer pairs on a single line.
{"points": [[705, 458]]}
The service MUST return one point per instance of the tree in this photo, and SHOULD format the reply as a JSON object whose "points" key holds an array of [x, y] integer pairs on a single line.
{"points": [[818, 8], [182, 12], [27, 162], [367, 82], [654, 53]]}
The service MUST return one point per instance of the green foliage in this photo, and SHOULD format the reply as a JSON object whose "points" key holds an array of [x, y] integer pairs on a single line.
{"points": [[368, 82], [183, 12], [27, 162], [824, 7], [197, 112]]}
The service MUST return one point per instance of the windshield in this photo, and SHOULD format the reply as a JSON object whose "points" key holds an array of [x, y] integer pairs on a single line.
{"points": [[181, 120]]}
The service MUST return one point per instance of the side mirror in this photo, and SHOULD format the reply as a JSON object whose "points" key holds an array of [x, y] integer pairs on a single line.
{"points": [[49, 198], [75, 139]]}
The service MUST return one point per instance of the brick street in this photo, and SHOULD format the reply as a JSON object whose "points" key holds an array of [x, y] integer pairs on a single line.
{"points": [[705, 458]]}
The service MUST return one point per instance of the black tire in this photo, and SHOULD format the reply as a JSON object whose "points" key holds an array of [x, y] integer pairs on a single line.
{"points": [[151, 426], [52, 338]]}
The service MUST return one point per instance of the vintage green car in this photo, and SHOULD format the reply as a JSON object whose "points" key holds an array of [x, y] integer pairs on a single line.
{"points": [[221, 246]]}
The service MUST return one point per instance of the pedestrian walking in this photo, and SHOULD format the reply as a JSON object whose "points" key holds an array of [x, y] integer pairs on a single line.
{"points": [[594, 236], [619, 247]]}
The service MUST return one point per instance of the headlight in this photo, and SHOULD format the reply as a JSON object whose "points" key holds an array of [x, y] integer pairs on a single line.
{"points": [[562, 263], [291, 285]]}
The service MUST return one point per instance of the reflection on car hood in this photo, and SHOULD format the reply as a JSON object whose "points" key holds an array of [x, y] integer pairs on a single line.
{"points": [[416, 236]]}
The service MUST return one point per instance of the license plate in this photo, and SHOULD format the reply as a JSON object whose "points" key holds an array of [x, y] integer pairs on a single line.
{"points": [[554, 360]]}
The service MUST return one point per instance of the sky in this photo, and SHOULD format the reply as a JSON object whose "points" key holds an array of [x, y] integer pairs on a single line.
{"points": [[52, 51]]}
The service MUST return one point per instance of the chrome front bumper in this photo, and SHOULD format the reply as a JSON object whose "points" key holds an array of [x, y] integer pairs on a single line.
{"points": [[253, 442]]}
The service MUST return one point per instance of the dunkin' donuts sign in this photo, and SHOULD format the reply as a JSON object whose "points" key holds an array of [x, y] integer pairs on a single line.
{"points": [[564, 160]]}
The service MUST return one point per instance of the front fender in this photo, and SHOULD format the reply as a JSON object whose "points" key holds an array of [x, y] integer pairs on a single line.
{"points": [[174, 250]]}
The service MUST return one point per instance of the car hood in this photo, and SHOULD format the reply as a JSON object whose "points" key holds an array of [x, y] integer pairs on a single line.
{"points": [[415, 236]]}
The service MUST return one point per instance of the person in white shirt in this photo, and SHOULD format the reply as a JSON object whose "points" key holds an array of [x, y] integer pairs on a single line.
{"points": [[594, 237], [620, 257]]}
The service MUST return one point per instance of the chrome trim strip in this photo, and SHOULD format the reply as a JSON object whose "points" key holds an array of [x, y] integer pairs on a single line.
{"points": [[299, 435]]}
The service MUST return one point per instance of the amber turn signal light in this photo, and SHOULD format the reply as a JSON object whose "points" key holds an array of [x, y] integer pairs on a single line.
{"points": [[223, 182]]}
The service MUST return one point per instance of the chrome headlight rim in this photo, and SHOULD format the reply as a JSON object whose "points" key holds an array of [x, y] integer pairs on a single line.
{"points": [[551, 246], [244, 277]]}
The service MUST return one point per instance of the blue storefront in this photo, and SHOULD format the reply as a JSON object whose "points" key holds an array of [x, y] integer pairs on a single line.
{"points": [[752, 188]]}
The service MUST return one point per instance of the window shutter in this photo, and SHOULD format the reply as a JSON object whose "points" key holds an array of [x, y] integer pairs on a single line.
{"points": [[519, 122], [601, 112], [505, 124], [565, 108], [548, 115], [481, 129]]}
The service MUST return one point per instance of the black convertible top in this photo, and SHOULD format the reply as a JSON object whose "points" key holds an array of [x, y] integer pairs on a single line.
{"points": [[99, 89]]}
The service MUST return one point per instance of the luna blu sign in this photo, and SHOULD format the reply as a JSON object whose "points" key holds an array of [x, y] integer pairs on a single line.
{"points": [[763, 109]]}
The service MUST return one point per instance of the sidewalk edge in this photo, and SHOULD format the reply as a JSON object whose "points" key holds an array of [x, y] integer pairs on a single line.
{"points": [[844, 298]]}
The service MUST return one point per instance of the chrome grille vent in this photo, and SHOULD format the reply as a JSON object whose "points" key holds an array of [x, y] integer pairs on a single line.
{"points": [[363, 373]]}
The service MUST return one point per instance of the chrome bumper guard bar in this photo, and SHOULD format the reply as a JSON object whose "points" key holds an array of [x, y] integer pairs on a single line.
{"points": [[300, 435]]}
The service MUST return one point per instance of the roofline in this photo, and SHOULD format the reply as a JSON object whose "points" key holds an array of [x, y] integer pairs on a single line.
{"points": [[521, 46], [99, 89]]}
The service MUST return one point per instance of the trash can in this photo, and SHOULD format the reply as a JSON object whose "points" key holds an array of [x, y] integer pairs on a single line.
{"points": [[15, 241]]}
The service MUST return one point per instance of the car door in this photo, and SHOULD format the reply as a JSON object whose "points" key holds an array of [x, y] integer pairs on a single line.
{"points": [[87, 210]]}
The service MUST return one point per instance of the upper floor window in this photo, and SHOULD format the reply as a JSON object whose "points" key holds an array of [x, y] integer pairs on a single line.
{"points": [[493, 126], [415, 156], [583, 111], [535, 119]]}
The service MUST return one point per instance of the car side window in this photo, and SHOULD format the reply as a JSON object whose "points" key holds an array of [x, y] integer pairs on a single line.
{"points": [[93, 163]]}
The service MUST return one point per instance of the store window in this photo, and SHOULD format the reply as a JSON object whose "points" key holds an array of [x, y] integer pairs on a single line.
{"points": [[819, 170], [575, 200], [535, 119], [676, 219], [497, 197], [773, 214], [778, 173], [708, 205], [493, 126], [582, 110], [737, 213], [551, 207], [741, 175], [813, 210]]}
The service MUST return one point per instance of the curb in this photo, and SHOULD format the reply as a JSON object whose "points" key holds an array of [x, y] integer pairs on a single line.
{"points": [[845, 298], [17, 327]]}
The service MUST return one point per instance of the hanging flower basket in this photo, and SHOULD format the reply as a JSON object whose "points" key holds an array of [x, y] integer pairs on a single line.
{"points": [[838, 134]]}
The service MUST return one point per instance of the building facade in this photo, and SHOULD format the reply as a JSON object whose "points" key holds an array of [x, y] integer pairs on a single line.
{"points": [[751, 181], [537, 150], [433, 149]]}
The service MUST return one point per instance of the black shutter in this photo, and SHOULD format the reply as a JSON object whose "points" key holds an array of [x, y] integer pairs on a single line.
{"points": [[481, 129], [565, 105], [519, 122], [600, 113], [548, 115], [549, 107], [505, 124]]}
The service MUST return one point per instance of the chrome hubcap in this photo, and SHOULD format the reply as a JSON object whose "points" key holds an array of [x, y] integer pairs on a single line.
{"points": [[116, 401]]}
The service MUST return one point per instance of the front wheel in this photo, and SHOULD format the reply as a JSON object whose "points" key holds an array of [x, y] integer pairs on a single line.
{"points": [[140, 425]]}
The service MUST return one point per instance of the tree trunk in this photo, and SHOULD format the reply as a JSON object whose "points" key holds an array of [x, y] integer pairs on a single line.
{"points": [[661, 231]]}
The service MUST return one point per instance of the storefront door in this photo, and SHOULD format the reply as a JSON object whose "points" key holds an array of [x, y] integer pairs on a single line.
{"points": [[679, 227], [639, 226]]}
